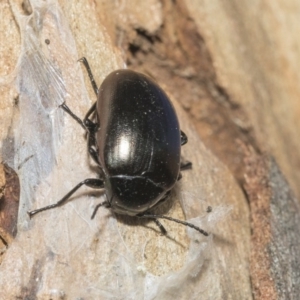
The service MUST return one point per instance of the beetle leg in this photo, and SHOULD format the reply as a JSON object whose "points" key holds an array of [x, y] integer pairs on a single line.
{"points": [[161, 227], [179, 176], [89, 71], [92, 145], [91, 149], [68, 110], [185, 165], [86, 119], [86, 123], [89, 126], [90, 182], [104, 203], [183, 137]]}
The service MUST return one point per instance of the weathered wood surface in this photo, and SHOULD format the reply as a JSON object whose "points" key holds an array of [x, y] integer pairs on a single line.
{"points": [[231, 69]]}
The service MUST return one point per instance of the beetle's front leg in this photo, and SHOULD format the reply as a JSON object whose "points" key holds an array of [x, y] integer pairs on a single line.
{"points": [[87, 125], [68, 110], [91, 76], [184, 165]]}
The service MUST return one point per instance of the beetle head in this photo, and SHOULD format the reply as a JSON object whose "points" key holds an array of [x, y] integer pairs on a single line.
{"points": [[131, 195]]}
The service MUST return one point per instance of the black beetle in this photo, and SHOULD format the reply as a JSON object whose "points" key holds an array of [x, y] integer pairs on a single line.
{"points": [[135, 139]]}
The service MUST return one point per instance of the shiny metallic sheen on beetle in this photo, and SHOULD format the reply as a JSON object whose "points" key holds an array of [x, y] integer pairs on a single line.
{"points": [[135, 139]]}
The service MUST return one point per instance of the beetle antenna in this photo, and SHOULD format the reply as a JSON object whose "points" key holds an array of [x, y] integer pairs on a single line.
{"points": [[175, 220]]}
